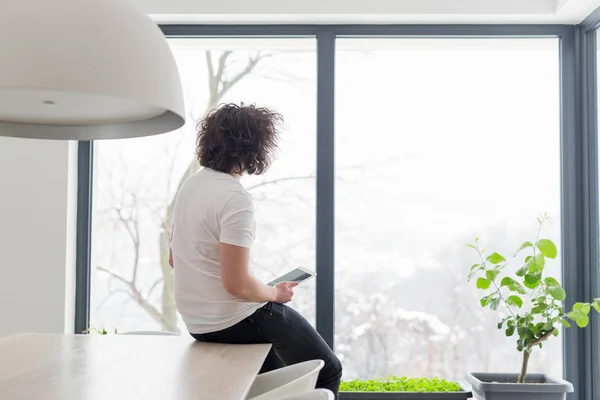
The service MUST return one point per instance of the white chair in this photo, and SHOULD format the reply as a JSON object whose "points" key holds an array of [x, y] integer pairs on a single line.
{"points": [[158, 333], [287, 381], [319, 394]]}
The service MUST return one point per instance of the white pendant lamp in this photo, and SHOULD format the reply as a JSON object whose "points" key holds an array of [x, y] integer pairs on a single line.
{"points": [[85, 70]]}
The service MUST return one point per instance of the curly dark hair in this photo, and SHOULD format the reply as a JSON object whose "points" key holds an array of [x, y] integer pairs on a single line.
{"points": [[238, 139]]}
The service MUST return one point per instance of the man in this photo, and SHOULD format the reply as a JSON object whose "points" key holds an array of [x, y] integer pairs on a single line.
{"points": [[213, 232]]}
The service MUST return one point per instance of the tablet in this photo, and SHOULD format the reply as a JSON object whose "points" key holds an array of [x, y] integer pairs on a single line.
{"points": [[296, 275]]}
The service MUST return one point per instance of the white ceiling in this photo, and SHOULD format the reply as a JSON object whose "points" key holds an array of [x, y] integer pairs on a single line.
{"points": [[368, 11]]}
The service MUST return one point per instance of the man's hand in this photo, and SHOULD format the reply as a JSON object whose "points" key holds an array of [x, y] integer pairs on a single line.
{"points": [[285, 292]]}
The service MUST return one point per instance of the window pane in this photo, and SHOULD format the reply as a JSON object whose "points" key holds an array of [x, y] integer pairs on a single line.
{"points": [[439, 141], [136, 181]]}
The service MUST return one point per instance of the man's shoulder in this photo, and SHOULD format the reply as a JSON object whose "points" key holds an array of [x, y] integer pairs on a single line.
{"points": [[218, 187], [204, 179], [239, 197]]}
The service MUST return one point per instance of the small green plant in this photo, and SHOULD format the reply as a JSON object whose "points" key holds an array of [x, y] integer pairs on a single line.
{"points": [[400, 384], [534, 301], [95, 331]]}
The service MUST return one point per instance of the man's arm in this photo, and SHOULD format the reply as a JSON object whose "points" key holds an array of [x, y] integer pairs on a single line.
{"points": [[236, 238], [236, 277], [238, 281]]}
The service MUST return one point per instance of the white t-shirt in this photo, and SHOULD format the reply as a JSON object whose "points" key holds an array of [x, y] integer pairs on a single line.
{"points": [[211, 207]]}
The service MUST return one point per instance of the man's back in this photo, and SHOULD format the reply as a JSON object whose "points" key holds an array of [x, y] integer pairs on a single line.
{"points": [[212, 207]]}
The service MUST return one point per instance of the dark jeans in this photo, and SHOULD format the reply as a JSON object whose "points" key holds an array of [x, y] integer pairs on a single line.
{"points": [[294, 340]]}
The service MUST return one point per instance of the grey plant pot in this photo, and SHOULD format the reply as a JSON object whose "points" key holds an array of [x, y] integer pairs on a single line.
{"points": [[488, 386], [404, 396]]}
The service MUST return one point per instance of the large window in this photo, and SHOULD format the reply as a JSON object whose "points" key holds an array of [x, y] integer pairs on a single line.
{"points": [[136, 181], [438, 141]]}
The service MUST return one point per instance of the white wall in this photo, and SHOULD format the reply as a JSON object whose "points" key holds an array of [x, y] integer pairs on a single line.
{"points": [[37, 205]]}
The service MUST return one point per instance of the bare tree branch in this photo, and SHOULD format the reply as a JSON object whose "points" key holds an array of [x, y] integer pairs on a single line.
{"points": [[280, 180], [222, 65], [112, 293], [211, 73], [154, 286], [134, 234], [137, 297]]}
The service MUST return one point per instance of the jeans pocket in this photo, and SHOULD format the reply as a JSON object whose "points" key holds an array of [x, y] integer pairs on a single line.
{"points": [[279, 311]]}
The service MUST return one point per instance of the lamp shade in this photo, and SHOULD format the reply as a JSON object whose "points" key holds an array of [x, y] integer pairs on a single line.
{"points": [[85, 70]]}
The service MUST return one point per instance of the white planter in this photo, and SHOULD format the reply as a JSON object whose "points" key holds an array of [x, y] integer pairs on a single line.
{"points": [[490, 386]]}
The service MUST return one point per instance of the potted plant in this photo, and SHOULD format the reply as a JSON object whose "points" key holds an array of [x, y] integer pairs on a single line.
{"points": [[396, 388], [534, 303]]}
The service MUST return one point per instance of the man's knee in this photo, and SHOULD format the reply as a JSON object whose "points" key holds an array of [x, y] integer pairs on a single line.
{"points": [[334, 368]]}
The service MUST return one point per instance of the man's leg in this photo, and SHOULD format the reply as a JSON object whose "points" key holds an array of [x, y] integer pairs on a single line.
{"points": [[295, 341], [272, 362], [244, 332]]}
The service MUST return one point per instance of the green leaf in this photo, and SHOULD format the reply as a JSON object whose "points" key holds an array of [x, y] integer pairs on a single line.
{"points": [[555, 333], [521, 271], [557, 292], [533, 280], [491, 274], [512, 285], [485, 301], [531, 285], [547, 247], [501, 323], [536, 264], [474, 269], [551, 282], [494, 303], [510, 331], [573, 315], [580, 315], [522, 330], [582, 307], [524, 246], [596, 305], [538, 327], [495, 258], [538, 309], [540, 261], [471, 246], [583, 321], [507, 281], [514, 301], [564, 323], [483, 283]]}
